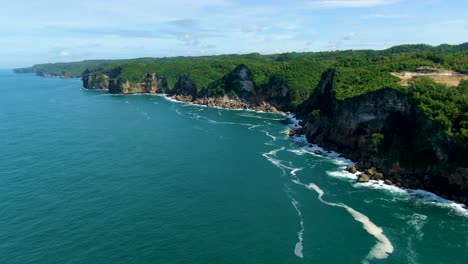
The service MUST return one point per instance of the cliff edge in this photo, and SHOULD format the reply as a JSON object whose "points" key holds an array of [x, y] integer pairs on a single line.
{"points": [[387, 133]]}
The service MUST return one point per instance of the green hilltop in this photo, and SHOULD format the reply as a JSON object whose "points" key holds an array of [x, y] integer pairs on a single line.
{"points": [[357, 72]]}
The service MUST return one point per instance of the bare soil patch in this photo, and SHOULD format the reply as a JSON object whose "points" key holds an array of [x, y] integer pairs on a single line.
{"points": [[450, 78]]}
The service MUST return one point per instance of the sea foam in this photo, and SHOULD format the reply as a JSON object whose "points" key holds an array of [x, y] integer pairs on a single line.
{"points": [[300, 235], [382, 248], [424, 196]]}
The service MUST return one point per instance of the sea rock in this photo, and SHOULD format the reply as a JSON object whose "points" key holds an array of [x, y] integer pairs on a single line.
{"points": [[363, 177], [351, 169], [378, 176], [388, 182], [370, 171], [318, 152], [293, 132]]}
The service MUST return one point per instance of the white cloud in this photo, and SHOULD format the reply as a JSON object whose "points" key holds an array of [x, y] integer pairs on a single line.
{"points": [[188, 39], [254, 28], [280, 36], [347, 3], [289, 26], [385, 16], [64, 53], [208, 46], [350, 36]]}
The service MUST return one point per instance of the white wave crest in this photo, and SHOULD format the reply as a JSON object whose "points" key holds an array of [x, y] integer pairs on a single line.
{"points": [[342, 174], [424, 196], [312, 148], [430, 198], [268, 134]]}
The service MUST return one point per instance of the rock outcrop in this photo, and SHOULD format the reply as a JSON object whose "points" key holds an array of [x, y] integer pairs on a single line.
{"points": [[51, 74], [95, 81], [238, 84], [234, 90], [386, 129], [152, 83], [278, 93], [185, 86]]}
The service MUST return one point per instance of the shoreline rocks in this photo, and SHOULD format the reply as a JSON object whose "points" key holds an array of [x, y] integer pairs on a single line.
{"points": [[294, 132], [228, 103]]}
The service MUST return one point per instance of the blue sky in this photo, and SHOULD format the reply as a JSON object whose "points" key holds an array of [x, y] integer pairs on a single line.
{"points": [[51, 31]]}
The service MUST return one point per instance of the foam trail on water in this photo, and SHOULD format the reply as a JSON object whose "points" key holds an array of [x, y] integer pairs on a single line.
{"points": [[268, 134], [179, 112], [416, 223], [293, 172], [260, 117], [298, 248], [382, 248], [274, 161], [253, 126], [278, 163]]}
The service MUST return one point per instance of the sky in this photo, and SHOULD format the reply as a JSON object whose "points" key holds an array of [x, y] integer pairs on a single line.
{"points": [[41, 31]]}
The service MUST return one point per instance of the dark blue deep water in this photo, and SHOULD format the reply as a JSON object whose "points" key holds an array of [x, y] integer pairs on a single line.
{"points": [[88, 177]]}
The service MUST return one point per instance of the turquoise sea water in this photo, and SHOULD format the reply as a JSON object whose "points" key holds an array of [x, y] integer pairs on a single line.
{"points": [[88, 177]]}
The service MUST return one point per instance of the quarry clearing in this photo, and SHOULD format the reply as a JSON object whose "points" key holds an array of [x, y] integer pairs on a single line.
{"points": [[450, 78]]}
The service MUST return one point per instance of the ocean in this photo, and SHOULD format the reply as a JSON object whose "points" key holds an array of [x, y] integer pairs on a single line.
{"points": [[89, 177]]}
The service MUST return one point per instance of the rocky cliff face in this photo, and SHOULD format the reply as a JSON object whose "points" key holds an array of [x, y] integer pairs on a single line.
{"points": [[386, 130], [51, 74], [95, 81], [236, 84], [237, 89], [152, 83], [278, 93], [185, 86]]}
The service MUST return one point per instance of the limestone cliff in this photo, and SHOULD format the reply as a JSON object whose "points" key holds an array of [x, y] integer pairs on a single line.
{"points": [[237, 89], [95, 81], [238, 83], [185, 86], [386, 129], [152, 83]]}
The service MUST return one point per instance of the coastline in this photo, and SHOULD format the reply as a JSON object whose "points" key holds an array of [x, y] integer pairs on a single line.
{"points": [[425, 196], [309, 148], [313, 149], [174, 98]]}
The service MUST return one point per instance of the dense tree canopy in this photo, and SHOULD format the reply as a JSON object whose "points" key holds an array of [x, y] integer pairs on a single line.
{"points": [[357, 72]]}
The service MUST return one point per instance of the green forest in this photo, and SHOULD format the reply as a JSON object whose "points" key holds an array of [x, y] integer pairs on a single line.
{"points": [[357, 72]]}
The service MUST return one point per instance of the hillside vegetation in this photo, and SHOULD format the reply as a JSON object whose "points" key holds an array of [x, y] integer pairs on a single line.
{"points": [[357, 72]]}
